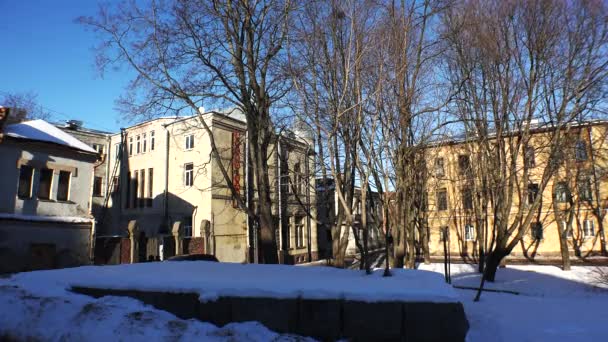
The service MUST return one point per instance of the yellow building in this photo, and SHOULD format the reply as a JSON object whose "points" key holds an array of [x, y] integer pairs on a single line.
{"points": [[162, 172], [576, 197]]}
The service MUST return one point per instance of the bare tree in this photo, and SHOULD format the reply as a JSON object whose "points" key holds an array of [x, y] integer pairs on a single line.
{"points": [[25, 106], [517, 63], [220, 52]]}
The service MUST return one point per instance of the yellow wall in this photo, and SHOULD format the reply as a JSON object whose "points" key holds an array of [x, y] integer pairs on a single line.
{"points": [[570, 172]]}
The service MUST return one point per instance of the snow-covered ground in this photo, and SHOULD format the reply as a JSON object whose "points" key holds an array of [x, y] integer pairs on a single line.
{"points": [[39, 305], [553, 305]]}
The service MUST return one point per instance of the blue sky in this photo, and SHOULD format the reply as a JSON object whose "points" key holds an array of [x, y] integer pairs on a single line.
{"points": [[44, 51]]}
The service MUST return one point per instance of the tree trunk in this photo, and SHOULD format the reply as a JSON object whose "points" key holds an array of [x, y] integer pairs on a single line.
{"points": [[492, 263], [268, 244]]}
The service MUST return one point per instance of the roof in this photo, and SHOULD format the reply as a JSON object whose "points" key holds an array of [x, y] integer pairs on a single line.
{"points": [[41, 130]]}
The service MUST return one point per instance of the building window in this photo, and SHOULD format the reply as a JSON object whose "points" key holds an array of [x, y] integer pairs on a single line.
{"points": [[152, 141], [464, 164], [532, 193], [136, 189], [26, 174], [442, 200], [298, 178], [130, 146], [138, 145], [444, 234], [187, 226], [561, 192], [142, 188], [145, 142], [98, 148], [584, 190], [537, 231], [469, 232], [299, 223], [580, 150], [188, 174], [63, 187], [588, 228], [97, 186], [150, 188], [467, 199], [117, 153], [128, 194], [46, 182], [439, 168], [529, 156], [189, 141]]}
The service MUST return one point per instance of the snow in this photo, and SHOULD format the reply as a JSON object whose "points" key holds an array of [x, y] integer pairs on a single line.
{"points": [[73, 317], [553, 305], [212, 280], [43, 131], [37, 218]]}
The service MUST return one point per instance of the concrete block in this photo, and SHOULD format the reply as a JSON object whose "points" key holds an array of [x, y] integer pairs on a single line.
{"points": [[218, 312], [279, 315], [319, 318], [361, 321], [435, 322]]}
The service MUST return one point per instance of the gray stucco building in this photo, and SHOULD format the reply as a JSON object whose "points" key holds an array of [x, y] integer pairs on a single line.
{"points": [[45, 202]]}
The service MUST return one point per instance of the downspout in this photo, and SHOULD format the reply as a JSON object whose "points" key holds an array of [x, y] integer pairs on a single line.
{"points": [[308, 208], [280, 203], [166, 191]]}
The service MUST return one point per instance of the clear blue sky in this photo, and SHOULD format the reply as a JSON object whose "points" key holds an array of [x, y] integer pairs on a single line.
{"points": [[44, 51]]}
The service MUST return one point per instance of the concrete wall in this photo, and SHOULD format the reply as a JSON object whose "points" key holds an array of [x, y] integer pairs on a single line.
{"points": [[39, 155], [40, 245], [322, 319]]}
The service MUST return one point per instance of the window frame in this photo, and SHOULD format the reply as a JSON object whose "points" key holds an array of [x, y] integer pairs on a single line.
{"points": [[188, 174], [530, 200], [585, 192], [439, 166], [50, 185], [30, 183], [437, 198], [100, 193], [580, 150], [537, 231], [68, 186], [189, 142], [562, 192], [587, 229], [462, 160], [138, 144], [469, 232], [152, 140], [530, 156], [144, 142]]}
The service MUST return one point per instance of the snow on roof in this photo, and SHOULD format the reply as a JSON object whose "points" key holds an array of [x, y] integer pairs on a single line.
{"points": [[212, 280], [43, 131]]}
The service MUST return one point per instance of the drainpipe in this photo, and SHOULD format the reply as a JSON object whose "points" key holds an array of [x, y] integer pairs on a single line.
{"points": [[166, 191], [280, 243], [308, 228], [92, 244]]}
